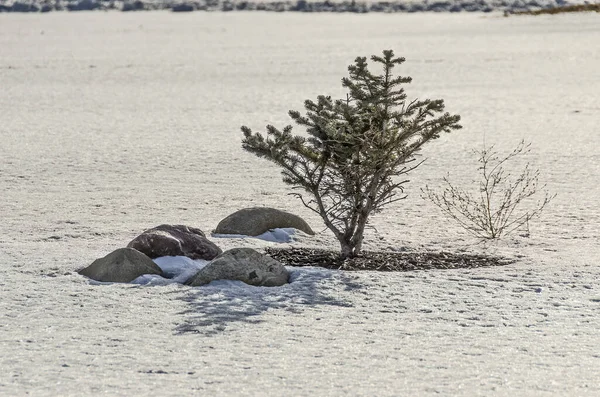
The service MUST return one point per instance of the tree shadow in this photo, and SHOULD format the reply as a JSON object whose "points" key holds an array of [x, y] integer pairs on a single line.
{"points": [[214, 306]]}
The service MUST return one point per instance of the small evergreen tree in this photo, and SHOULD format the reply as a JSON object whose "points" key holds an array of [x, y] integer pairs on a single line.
{"points": [[357, 148]]}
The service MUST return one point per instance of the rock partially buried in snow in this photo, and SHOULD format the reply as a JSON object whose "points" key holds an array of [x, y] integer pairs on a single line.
{"points": [[258, 220], [175, 240], [121, 266], [243, 264]]}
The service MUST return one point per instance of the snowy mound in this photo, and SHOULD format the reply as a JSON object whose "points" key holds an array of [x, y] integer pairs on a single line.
{"points": [[179, 269], [176, 269], [278, 235]]}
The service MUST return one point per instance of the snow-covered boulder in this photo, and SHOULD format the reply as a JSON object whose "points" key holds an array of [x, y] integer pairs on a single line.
{"points": [[175, 240], [258, 220], [121, 266], [242, 264]]}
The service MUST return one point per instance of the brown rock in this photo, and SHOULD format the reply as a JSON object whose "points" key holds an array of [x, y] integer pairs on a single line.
{"points": [[258, 220], [243, 264], [121, 266], [175, 240]]}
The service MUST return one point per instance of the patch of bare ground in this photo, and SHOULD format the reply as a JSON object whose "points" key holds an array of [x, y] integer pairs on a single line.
{"points": [[384, 261], [561, 10]]}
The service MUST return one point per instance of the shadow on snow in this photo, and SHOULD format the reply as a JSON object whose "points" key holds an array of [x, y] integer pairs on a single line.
{"points": [[220, 303]]}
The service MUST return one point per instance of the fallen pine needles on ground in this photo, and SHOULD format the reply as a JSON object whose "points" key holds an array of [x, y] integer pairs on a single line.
{"points": [[383, 261]]}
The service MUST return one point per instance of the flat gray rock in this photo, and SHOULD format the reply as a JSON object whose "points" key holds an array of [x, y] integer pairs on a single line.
{"points": [[258, 220], [175, 240], [242, 264], [121, 266]]}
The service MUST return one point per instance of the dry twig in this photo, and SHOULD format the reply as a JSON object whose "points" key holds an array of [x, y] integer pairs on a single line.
{"points": [[495, 210]]}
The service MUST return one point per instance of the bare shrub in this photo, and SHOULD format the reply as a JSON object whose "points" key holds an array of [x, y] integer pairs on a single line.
{"points": [[496, 209]]}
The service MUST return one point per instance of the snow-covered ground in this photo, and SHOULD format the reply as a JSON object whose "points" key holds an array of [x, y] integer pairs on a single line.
{"points": [[114, 123]]}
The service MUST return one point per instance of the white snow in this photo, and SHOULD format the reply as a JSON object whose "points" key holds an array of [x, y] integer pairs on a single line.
{"points": [[176, 269], [113, 123], [179, 269], [277, 235]]}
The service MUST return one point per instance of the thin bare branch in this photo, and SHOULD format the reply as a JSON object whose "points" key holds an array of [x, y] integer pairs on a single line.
{"points": [[497, 211]]}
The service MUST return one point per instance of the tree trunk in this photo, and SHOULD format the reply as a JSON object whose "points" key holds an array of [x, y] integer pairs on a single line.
{"points": [[357, 239], [346, 250], [350, 248]]}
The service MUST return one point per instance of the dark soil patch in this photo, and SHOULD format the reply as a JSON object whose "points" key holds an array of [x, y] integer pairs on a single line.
{"points": [[384, 261], [562, 10]]}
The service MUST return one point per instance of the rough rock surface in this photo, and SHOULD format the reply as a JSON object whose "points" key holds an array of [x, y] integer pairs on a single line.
{"points": [[258, 220], [403, 6], [121, 266], [24, 7], [243, 264], [183, 7], [84, 5], [175, 240], [136, 5]]}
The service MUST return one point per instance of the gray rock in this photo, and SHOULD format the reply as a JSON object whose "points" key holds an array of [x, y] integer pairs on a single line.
{"points": [[258, 220], [439, 6], [227, 6], [24, 7], [243, 264], [133, 6], [416, 7], [183, 7], [121, 266], [175, 240], [84, 5]]}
